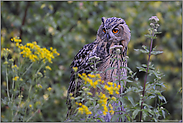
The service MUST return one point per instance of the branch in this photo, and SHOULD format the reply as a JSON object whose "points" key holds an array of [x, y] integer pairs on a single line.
{"points": [[24, 17]]}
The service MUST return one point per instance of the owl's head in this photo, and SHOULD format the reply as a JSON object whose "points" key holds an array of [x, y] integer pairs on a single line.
{"points": [[114, 30]]}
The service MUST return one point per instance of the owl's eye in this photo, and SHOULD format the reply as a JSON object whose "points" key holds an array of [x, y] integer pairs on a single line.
{"points": [[104, 30], [115, 30]]}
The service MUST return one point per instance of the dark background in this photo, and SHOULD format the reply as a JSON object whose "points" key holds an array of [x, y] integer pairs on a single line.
{"points": [[68, 26]]}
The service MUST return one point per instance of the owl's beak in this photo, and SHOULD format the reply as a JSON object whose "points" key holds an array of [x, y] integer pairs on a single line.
{"points": [[108, 36]]}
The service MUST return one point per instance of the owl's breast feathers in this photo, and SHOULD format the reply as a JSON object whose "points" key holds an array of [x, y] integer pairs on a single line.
{"points": [[82, 62]]}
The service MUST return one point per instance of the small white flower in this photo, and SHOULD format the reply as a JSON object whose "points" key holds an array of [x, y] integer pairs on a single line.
{"points": [[151, 24], [157, 25], [155, 18]]}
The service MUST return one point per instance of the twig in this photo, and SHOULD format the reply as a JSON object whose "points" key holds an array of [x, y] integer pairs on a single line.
{"points": [[24, 17], [33, 115]]}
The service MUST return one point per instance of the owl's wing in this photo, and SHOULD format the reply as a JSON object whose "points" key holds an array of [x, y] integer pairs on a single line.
{"points": [[81, 61]]}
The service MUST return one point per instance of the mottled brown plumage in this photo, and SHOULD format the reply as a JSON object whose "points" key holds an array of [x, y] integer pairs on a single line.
{"points": [[112, 34]]}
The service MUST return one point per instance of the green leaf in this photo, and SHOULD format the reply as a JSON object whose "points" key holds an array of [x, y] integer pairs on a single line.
{"points": [[150, 36], [127, 80], [144, 65], [110, 68], [141, 69], [161, 97], [151, 97], [150, 111], [144, 113], [157, 33], [156, 52], [131, 100], [134, 114], [163, 113], [142, 51]]}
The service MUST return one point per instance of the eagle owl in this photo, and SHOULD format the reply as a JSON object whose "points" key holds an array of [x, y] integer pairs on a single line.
{"points": [[113, 32]]}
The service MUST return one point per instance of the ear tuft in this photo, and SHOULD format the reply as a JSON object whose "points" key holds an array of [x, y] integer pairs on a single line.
{"points": [[103, 19]]}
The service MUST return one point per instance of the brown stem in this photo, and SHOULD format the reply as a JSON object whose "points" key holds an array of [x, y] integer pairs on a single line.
{"points": [[24, 17], [143, 92]]}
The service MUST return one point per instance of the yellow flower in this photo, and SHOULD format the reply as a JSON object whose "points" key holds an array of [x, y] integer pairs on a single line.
{"points": [[72, 98], [5, 62], [30, 105], [109, 83], [70, 94], [38, 103], [75, 69], [34, 52], [16, 39], [113, 98], [45, 97], [14, 66], [80, 110], [104, 113], [40, 74], [20, 96], [112, 88], [112, 112], [119, 86], [4, 83], [105, 108], [48, 67], [89, 93], [2, 116], [39, 86], [83, 109], [15, 78], [91, 75], [49, 89], [98, 76]]}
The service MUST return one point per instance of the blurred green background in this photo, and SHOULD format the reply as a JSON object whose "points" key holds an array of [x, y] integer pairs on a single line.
{"points": [[68, 26]]}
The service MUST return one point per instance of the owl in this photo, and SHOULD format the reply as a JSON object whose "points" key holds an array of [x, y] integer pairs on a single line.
{"points": [[112, 34]]}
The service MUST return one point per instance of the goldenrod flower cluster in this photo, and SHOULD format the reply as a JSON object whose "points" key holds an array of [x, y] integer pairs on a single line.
{"points": [[49, 89], [112, 88], [48, 67], [103, 102], [83, 109], [5, 52], [34, 52], [15, 78], [93, 80]]}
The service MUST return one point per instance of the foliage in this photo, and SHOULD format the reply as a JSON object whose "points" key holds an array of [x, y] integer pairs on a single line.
{"points": [[141, 106], [25, 90], [67, 26]]}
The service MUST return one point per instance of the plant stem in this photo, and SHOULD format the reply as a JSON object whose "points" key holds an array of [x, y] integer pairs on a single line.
{"points": [[143, 92], [12, 87], [32, 115], [28, 69], [17, 108], [7, 81], [32, 84]]}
